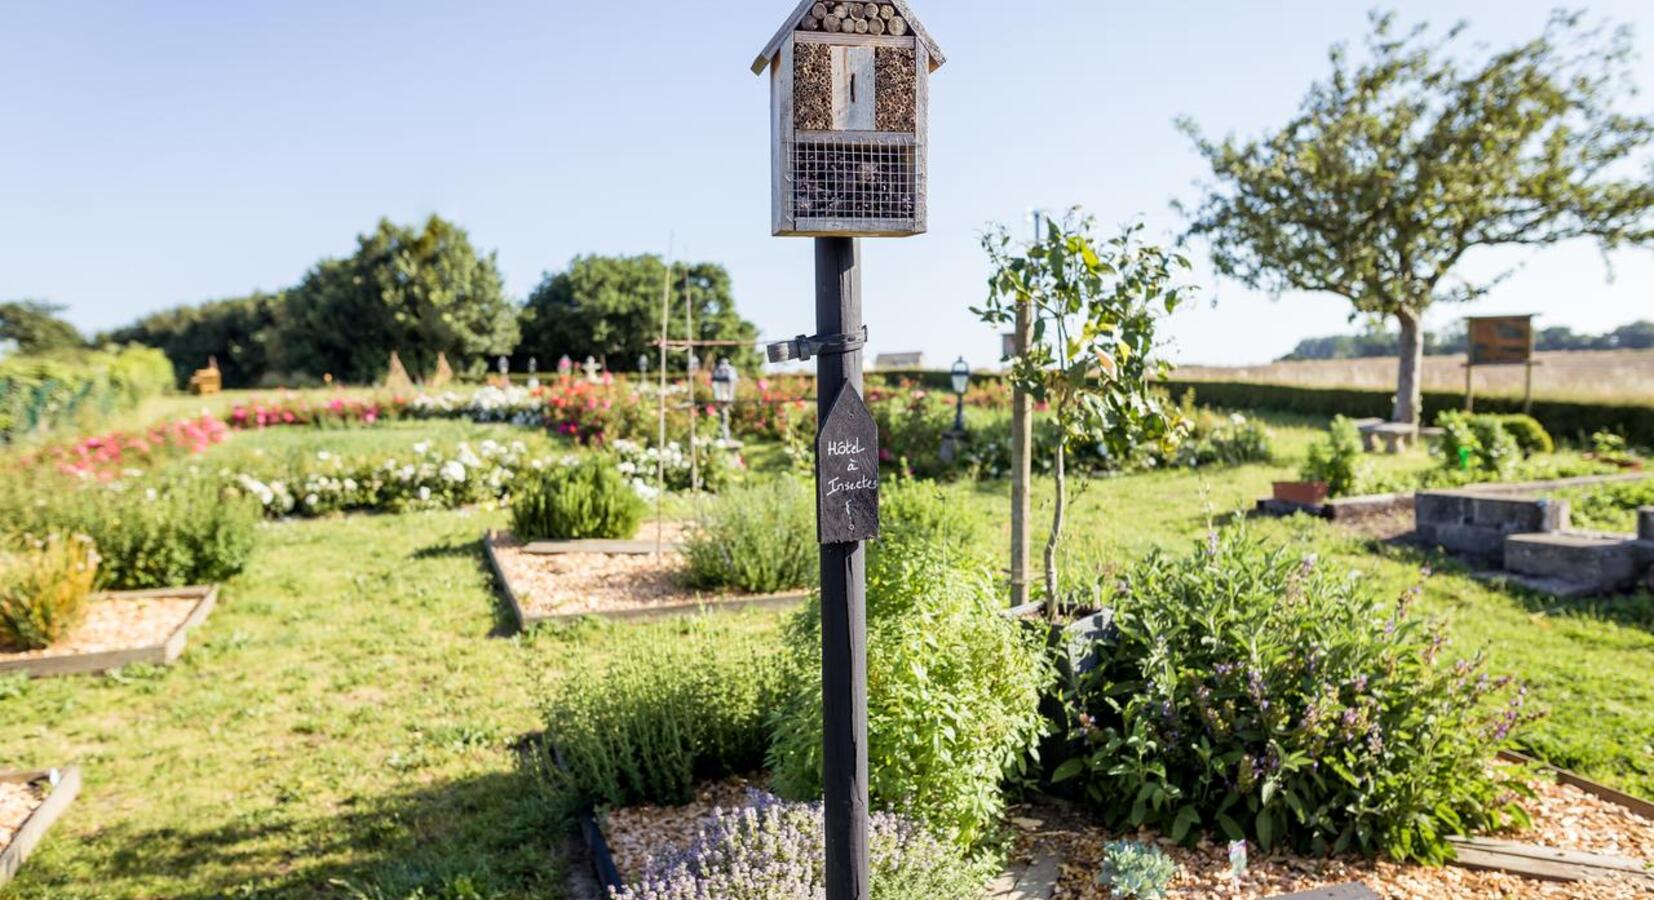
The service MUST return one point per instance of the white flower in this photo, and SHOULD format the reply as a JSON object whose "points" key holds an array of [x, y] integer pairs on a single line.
{"points": [[311, 500], [454, 471], [424, 494]]}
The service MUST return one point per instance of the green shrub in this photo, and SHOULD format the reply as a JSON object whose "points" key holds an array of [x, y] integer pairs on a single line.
{"points": [[44, 588], [758, 539], [953, 693], [585, 499], [178, 532], [1609, 507], [1480, 445], [1220, 439], [673, 703], [1337, 459], [1529, 435], [39, 393], [922, 512], [1250, 691]]}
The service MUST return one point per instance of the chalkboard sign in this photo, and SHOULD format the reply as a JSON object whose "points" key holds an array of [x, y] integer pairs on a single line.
{"points": [[1501, 340], [847, 472]]}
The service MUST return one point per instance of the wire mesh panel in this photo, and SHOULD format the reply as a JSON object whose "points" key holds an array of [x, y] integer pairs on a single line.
{"points": [[853, 176]]}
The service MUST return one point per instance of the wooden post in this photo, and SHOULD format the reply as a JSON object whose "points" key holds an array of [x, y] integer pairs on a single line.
{"points": [[1527, 389], [843, 600], [1469, 386], [660, 463], [694, 411]]}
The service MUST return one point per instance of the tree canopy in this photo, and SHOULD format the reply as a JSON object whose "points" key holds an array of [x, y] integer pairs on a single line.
{"points": [[1396, 168], [35, 327], [610, 307], [414, 292], [236, 331]]}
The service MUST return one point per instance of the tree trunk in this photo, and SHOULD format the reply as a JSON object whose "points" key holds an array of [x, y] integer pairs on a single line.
{"points": [[1409, 371], [1057, 514]]}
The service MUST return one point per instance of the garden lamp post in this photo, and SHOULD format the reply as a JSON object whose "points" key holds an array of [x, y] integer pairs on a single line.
{"points": [[961, 383], [724, 380], [533, 372], [643, 363]]}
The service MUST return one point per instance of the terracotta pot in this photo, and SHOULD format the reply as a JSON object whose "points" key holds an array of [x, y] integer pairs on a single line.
{"points": [[1303, 493]]}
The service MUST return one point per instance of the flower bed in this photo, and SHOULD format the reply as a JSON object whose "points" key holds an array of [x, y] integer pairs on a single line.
{"points": [[547, 587], [111, 455], [30, 802], [1564, 817], [121, 629]]}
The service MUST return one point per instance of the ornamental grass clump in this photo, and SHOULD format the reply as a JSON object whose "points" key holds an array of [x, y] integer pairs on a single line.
{"points": [[953, 692], [1258, 694], [44, 588], [772, 850], [576, 501], [758, 539], [674, 703]]}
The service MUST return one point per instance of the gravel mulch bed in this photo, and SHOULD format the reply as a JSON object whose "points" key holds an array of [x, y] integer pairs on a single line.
{"points": [[17, 803], [639, 833], [1564, 818], [119, 623], [578, 583]]}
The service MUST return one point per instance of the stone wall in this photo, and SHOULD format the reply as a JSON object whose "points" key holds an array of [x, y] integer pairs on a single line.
{"points": [[1477, 522]]}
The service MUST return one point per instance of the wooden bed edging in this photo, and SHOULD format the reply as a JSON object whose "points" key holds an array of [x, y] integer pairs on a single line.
{"points": [[162, 654], [41, 820], [526, 621], [1631, 802]]}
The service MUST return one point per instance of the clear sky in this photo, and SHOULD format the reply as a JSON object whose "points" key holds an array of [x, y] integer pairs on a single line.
{"points": [[159, 152]]}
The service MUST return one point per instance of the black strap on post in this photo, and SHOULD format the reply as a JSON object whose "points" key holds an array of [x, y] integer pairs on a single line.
{"points": [[801, 348]]}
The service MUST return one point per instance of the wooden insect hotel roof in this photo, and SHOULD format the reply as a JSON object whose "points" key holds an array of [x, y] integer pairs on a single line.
{"points": [[804, 11]]}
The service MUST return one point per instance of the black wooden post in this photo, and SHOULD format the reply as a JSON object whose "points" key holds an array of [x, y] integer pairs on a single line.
{"points": [[843, 599]]}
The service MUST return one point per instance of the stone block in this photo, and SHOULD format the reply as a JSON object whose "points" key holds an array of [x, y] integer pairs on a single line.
{"points": [[1519, 515], [1600, 563], [1441, 508], [1645, 523], [1474, 540]]}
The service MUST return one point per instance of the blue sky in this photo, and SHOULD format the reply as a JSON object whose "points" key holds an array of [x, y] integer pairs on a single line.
{"points": [[158, 153]]}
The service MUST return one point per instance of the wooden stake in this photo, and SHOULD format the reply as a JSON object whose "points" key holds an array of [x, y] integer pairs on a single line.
{"points": [[843, 601]]}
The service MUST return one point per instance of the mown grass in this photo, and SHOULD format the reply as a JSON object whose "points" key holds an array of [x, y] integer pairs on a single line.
{"points": [[345, 725]]}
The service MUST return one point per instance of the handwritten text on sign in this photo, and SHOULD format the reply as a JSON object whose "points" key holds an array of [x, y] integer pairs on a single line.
{"points": [[847, 472]]}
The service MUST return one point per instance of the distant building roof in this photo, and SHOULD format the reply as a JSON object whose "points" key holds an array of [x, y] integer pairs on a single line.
{"points": [[899, 361]]}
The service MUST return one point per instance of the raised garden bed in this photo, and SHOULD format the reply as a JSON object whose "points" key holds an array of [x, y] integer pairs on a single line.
{"points": [[550, 582], [1581, 830], [121, 629], [30, 802]]}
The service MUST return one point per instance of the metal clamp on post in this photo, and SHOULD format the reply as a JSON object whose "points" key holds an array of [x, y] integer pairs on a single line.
{"points": [[801, 348]]}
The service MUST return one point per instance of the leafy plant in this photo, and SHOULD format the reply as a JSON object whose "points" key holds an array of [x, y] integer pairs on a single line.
{"points": [[953, 693], [1609, 507], [1132, 869], [1337, 459], [1092, 358], [1529, 435], [758, 539], [1259, 694], [588, 498], [772, 850], [181, 531], [673, 703], [1477, 444], [44, 588]]}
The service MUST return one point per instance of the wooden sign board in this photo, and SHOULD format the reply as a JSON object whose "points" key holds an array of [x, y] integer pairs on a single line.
{"points": [[847, 472], [1501, 340]]}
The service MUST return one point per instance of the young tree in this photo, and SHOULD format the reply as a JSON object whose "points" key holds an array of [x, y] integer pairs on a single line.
{"points": [[1091, 360], [1395, 169], [35, 327], [609, 307]]}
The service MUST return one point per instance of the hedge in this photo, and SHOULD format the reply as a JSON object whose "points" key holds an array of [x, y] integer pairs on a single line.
{"points": [[41, 393], [1564, 419]]}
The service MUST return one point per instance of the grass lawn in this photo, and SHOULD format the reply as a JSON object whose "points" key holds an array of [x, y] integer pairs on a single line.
{"points": [[345, 723]]}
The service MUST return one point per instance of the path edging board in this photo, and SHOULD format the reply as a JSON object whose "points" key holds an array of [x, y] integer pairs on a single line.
{"points": [[161, 654], [34, 828]]}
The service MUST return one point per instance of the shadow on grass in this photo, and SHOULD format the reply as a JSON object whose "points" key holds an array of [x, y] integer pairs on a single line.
{"points": [[493, 835]]}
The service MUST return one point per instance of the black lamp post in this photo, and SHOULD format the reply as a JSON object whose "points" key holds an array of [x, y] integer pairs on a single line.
{"points": [[961, 383], [724, 380]]}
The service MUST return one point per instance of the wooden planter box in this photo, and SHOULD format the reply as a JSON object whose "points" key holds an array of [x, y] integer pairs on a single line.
{"points": [[1303, 493], [164, 653], [526, 619], [34, 828]]}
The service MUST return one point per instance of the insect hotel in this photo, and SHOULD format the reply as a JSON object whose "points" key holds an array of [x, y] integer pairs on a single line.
{"points": [[849, 90]]}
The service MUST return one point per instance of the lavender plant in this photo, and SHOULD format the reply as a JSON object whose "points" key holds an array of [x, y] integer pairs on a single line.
{"points": [[1267, 696], [772, 850]]}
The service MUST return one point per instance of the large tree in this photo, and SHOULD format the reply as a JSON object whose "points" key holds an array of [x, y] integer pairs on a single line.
{"points": [[1396, 168], [416, 292], [610, 307], [35, 327]]}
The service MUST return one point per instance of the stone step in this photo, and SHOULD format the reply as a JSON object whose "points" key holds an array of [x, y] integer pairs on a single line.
{"points": [[1601, 563]]}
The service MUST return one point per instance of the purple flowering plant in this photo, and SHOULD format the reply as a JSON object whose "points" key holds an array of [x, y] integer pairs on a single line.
{"points": [[772, 850], [1259, 695]]}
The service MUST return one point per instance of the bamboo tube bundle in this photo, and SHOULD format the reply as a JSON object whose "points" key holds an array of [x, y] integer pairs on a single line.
{"points": [[852, 17]]}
